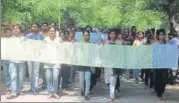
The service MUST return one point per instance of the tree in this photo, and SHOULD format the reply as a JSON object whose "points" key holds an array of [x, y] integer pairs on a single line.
{"points": [[96, 13], [170, 8]]}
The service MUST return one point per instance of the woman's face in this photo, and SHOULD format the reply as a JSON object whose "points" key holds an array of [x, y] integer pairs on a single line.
{"points": [[112, 35], [161, 36], [140, 35], [86, 36]]}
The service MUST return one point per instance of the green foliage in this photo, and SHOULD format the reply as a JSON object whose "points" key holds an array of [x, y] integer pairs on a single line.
{"points": [[97, 13], [171, 10]]}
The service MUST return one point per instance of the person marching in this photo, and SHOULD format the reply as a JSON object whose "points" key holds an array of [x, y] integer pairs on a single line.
{"points": [[161, 74], [16, 70], [34, 67], [137, 42], [149, 72], [52, 70], [110, 74], [5, 63], [85, 72]]}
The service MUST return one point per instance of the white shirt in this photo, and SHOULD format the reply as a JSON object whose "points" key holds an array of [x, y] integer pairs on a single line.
{"points": [[17, 61], [48, 40]]}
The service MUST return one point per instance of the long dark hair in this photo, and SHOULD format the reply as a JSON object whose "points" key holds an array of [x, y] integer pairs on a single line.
{"points": [[110, 31], [161, 31], [149, 37], [88, 27], [87, 32]]}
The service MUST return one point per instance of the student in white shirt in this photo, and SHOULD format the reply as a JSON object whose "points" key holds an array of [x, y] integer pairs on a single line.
{"points": [[5, 64], [16, 69], [52, 70]]}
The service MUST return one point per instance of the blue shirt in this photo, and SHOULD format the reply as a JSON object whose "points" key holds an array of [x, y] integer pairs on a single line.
{"points": [[35, 36], [175, 41]]}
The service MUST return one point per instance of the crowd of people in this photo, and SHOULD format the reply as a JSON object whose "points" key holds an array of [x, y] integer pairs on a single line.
{"points": [[56, 77]]}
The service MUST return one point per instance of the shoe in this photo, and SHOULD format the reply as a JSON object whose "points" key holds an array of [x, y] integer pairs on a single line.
{"points": [[86, 97], [11, 96]]}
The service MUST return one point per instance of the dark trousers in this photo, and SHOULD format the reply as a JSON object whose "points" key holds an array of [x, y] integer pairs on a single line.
{"points": [[147, 75], [161, 77], [160, 88], [65, 75], [98, 72], [118, 83], [93, 81], [142, 74], [151, 79]]}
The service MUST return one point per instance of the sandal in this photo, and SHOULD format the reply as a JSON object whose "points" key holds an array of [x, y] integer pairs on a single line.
{"points": [[110, 100], [50, 96], [56, 96], [11, 96]]}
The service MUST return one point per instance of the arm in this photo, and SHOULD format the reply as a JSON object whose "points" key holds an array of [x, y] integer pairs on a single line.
{"points": [[134, 43]]}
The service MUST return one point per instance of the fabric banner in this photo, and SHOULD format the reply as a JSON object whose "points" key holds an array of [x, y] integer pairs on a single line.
{"points": [[94, 55]]}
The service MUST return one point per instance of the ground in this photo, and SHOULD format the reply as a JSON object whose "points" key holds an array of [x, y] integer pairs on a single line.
{"points": [[130, 93]]}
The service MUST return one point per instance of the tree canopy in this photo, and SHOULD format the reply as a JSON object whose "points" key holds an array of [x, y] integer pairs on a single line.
{"points": [[96, 13]]}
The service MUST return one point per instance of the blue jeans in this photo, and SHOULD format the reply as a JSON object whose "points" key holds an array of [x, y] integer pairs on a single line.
{"points": [[85, 80], [33, 69], [5, 64], [137, 73], [17, 75], [112, 85], [52, 79]]}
